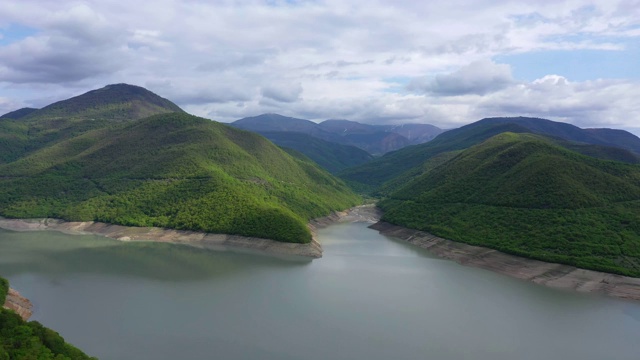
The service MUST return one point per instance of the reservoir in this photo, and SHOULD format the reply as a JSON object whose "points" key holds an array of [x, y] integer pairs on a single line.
{"points": [[370, 297]]}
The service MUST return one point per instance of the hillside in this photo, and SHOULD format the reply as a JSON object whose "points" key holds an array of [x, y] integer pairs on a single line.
{"points": [[406, 162], [172, 170], [20, 339], [333, 157], [525, 195]]}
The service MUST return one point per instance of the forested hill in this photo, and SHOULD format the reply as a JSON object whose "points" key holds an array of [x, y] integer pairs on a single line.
{"points": [[173, 170], [30, 340], [525, 195], [607, 144]]}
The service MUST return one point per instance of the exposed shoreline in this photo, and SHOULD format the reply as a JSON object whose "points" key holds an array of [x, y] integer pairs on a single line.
{"points": [[18, 303], [549, 274], [218, 242]]}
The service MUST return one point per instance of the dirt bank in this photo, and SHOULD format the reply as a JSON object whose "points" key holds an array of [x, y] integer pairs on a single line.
{"points": [[539, 272], [18, 303]]}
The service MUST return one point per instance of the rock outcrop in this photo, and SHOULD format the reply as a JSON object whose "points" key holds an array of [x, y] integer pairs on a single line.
{"points": [[18, 303]]}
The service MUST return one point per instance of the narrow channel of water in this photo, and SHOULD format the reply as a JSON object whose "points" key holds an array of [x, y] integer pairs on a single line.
{"points": [[369, 297]]}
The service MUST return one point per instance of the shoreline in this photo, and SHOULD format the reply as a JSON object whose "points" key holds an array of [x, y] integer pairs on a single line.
{"points": [[202, 240], [553, 275], [19, 304]]}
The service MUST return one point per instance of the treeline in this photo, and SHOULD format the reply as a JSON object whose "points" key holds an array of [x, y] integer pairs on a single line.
{"points": [[30, 340]]}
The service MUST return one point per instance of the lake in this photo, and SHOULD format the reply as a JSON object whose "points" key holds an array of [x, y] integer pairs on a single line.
{"points": [[370, 297]]}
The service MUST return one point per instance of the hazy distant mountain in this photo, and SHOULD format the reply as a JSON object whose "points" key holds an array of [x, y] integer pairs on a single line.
{"points": [[18, 114], [330, 155], [417, 133], [375, 139]]}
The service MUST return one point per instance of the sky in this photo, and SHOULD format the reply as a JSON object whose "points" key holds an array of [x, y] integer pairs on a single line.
{"points": [[446, 63]]}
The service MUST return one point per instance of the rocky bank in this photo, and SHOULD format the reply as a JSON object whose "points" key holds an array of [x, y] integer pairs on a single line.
{"points": [[549, 274], [18, 303]]}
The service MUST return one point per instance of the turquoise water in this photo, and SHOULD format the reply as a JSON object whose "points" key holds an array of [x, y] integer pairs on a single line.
{"points": [[369, 297]]}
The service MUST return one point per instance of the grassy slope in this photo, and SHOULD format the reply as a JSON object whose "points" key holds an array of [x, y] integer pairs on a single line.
{"points": [[30, 340], [173, 170], [525, 195]]}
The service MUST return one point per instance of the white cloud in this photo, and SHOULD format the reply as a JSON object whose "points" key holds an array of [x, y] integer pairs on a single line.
{"points": [[323, 59], [479, 78]]}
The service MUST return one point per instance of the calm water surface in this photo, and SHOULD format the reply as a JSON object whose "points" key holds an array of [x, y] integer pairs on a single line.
{"points": [[370, 297]]}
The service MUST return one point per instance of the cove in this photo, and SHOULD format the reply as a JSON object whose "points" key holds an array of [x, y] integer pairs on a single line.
{"points": [[369, 297]]}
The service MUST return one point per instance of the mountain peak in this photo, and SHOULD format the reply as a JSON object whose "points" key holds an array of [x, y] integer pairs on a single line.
{"points": [[114, 102]]}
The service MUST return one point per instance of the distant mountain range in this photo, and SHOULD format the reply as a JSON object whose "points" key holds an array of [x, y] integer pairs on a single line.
{"points": [[375, 139]]}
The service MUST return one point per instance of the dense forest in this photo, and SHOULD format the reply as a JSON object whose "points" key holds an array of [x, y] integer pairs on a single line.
{"points": [[525, 195], [172, 170]]}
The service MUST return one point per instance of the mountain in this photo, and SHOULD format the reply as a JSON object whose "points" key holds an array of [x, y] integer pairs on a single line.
{"points": [[333, 157], [526, 195], [371, 138], [117, 102], [417, 133], [609, 137], [279, 123], [18, 114], [407, 160], [68, 118], [374, 139], [169, 170]]}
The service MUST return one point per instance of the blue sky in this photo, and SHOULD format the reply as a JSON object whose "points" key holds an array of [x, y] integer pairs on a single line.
{"points": [[447, 63]]}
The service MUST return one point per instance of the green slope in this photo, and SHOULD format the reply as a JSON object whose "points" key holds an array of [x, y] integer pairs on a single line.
{"points": [[524, 194], [373, 174], [30, 340], [331, 156], [402, 165], [173, 170]]}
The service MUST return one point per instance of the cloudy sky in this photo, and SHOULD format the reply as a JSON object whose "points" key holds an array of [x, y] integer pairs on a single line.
{"points": [[447, 63]]}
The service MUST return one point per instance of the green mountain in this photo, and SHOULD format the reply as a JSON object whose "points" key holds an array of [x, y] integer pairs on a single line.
{"points": [[117, 102], [173, 170], [526, 195], [68, 118], [93, 158], [333, 157], [18, 114], [30, 340], [406, 162]]}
